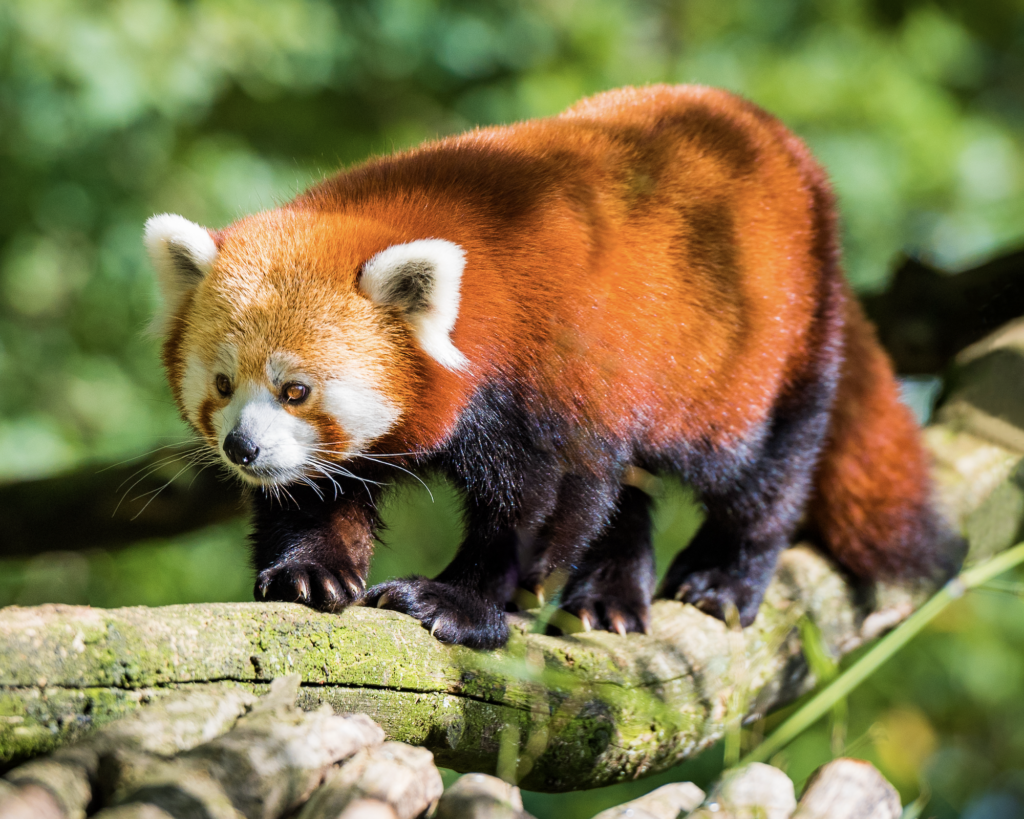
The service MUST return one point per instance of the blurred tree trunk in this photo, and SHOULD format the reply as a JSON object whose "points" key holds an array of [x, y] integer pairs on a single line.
{"points": [[926, 316], [109, 507]]}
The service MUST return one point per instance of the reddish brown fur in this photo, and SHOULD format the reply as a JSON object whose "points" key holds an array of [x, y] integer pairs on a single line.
{"points": [[874, 473], [738, 328], [657, 270]]}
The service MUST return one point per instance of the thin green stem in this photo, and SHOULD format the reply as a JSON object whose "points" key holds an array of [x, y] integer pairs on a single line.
{"points": [[846, 682]]}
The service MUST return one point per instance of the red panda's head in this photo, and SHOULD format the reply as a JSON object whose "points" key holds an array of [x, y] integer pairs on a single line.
{"points": [[296, 337]]}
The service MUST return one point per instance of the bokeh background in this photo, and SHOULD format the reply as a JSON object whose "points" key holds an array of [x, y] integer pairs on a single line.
{"points": [[112, 111]]}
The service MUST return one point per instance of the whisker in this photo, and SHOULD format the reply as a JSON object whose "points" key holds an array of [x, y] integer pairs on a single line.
{"points": [[155, 492], [401, 469], [272, 491], [146, 473], [192, 461], [326, 474], [136, 457], [327, 467], [192, 458], [149, 468], [347, 454], [312, 486], [340, 470], [290, 496]]}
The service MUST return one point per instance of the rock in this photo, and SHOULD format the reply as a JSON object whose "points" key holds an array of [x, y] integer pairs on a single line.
{"points": [[848, 789]]}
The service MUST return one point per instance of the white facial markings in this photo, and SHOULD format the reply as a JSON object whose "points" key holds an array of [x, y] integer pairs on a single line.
{"points": [[363, 412], [195, 387], [271, 443], [285, 442]]}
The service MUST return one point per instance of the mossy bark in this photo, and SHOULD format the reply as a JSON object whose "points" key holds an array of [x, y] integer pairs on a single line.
{"points": [[559, 713]]}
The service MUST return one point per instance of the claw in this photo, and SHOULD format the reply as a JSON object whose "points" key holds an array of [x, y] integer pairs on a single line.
{"points": [[541, 599], [354, 588], [383, 601], [731, 615], [683, 591], [587, 620], [433, 628], [302, 587], [331, 588], [618, 624], [264, 588]]}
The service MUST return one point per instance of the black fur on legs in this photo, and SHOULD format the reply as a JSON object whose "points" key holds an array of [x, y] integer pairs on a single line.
{"points": [[509, 461], [583, 507], [453, 612], [611, 589], [313, 546], [719, 571], [465, 604], [513, 483], [732, 558]]}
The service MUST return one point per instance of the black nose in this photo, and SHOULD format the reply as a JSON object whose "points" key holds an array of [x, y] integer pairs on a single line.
{"points": [[239, 449]]}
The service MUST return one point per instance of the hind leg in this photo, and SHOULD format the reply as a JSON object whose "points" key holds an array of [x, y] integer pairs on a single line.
{"points": [[731, 559], [582, 508], [724, 569], [611, 589], [755, 506]]}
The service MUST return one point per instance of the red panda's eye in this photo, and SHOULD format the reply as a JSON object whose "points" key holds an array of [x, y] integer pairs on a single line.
{"points": [[223, 384], [294, 393]]}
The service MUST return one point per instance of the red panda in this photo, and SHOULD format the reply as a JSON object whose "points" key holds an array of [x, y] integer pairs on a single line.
{"points": [[649, 280]]}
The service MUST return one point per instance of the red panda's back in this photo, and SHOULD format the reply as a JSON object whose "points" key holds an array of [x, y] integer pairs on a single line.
{"points": [[650, 259]]}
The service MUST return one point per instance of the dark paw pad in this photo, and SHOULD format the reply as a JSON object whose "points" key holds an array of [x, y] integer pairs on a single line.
{"points": [[719, 593], [453, 614], [309, 583]]}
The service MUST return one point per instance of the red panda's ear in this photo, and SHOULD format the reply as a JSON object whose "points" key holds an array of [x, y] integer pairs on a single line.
{"points": [[182, 254], [422, 279]]}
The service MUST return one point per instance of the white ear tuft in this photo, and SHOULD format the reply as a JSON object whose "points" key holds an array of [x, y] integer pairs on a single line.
{"points": [[422, 278], [182, 253]]}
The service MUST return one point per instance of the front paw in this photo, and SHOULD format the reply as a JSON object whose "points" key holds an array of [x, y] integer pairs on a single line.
{"points": [[310, 583], [719, 593], [453, 614]]}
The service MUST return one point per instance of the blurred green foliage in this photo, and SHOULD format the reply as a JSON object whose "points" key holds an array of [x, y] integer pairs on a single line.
{"points": [[112, 111]]}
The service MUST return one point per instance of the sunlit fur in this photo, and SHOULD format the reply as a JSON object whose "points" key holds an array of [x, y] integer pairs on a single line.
{"points": [[648, 281]]}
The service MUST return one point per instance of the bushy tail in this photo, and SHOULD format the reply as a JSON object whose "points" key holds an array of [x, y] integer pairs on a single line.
{"points": [[874, 506]]}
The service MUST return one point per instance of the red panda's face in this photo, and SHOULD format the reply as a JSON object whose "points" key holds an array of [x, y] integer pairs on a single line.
{"points": [[292, 342]]}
